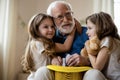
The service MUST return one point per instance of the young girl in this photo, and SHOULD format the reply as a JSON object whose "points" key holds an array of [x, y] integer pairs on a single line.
{"points": [[41, 48], [108, 59]]}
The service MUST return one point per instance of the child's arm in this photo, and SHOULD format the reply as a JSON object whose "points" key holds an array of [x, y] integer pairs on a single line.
{"points": [[99, 61], [67, 44], [78, 26]]}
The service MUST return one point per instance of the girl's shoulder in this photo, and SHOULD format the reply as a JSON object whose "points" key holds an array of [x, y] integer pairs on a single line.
{"points": [[106, 41], [36, 43], [36, 46], [107, 38], [110, 42]]}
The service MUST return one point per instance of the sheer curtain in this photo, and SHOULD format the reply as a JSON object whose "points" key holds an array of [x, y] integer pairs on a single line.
{"points": [[117, 14], [104, 5], [8, 24]]}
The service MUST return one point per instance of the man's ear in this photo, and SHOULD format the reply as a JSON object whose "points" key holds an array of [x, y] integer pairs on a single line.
{"points": [[78, 26]]}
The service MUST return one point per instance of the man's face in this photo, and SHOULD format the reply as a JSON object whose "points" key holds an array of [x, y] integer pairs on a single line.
{"points": [[63, 18]]}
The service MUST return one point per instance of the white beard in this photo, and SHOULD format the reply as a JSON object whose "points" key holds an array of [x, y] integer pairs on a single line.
{"points": [[67, 31]]}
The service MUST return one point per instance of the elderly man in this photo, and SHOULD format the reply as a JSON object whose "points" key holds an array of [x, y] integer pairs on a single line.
{"points": [[62, 13]]}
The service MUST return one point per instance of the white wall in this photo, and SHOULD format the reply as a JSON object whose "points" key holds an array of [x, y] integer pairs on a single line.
{"points": [[27, 8]]}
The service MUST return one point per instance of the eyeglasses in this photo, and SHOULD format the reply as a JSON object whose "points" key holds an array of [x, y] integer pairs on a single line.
{"points": [[68, 15]]}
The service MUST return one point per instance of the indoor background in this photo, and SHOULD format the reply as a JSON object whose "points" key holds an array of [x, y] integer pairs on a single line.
{"points": [[14, 17]]}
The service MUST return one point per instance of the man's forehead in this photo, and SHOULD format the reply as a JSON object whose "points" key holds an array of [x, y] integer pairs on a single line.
{"points": [[59, 10]]}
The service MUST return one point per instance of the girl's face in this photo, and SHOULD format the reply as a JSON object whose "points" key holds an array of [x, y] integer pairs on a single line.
{"points": [[47, 28], [91, 29]]}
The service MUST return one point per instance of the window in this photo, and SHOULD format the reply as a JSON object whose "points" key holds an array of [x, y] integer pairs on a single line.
{"points": [[117, 14]]}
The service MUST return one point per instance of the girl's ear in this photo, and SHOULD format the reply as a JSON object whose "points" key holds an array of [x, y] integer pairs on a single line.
{"points": [[78, 26]]}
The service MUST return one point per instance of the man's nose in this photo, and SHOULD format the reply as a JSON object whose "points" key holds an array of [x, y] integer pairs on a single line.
{"points": [[65, 19]]}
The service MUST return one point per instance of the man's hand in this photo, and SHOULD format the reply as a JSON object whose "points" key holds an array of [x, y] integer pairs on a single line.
{"points": [[56, 60], [73, 60], [77, 60]]}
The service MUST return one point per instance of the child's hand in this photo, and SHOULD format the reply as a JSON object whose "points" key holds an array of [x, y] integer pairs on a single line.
{"points": [[78, 26], [56, 61], [73, 32], [73, 60]]}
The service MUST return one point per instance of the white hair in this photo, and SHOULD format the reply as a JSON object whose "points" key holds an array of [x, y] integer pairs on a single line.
{"points": [[53, 4]]}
